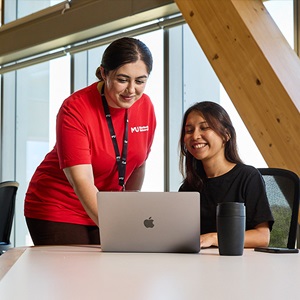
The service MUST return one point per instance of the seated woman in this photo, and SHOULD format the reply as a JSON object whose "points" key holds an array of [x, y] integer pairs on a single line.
{"points": [[210, 164]]}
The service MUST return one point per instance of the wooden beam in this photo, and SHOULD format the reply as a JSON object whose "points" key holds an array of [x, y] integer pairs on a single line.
{"points": [[258, 69]]}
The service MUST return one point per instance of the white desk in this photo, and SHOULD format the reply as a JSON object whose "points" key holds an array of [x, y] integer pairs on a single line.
{"points": [[83, 272]]}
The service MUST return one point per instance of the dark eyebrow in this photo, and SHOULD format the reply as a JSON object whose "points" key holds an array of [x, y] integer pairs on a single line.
{"points": [[126, 76], [201, 123]]}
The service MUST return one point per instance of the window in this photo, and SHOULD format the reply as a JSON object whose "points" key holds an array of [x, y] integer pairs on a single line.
{"points": [[283, 14], [16, 9], [40, 89]]}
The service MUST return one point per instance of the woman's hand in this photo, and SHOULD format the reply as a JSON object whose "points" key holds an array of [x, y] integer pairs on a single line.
{"points": [[208, 240]]}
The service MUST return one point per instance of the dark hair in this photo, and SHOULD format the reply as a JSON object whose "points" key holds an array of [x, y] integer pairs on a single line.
{"points": [[123, 51], [219, 121]]}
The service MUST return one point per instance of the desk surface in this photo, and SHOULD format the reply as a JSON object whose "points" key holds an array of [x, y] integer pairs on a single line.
{"points": [[84, 272]]}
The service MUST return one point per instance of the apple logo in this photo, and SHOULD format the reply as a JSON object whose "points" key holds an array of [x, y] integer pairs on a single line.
{"points": [[149, 223]]}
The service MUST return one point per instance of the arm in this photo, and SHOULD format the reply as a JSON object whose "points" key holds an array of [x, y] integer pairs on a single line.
{"points": [[136, 179], [257, 237], [81, 179]]}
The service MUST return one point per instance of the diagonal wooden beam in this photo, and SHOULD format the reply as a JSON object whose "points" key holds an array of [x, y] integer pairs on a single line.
{"points": [[258, 69]]}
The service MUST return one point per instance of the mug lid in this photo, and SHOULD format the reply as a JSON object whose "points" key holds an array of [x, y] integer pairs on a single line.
{"points": [[231, 209]]}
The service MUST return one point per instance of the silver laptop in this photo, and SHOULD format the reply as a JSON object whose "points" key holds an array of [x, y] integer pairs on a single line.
{"points": [[149, 221]]}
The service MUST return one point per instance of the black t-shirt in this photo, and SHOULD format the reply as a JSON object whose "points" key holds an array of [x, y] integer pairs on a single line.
{"points": [[241, 184]]}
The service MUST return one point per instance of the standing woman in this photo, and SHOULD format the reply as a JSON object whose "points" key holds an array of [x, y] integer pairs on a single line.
{"points": [[104, 134], [210, 164]]}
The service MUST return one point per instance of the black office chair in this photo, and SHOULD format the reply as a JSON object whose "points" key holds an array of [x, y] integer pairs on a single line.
{"points": [[8, 191], [282, 188]]}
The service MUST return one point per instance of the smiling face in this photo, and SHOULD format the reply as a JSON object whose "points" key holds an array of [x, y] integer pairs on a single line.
{"points": [[125, 85], [200, 140]]}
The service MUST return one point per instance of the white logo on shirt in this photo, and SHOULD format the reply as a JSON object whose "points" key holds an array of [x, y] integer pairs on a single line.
{"points": [[139, 129]]}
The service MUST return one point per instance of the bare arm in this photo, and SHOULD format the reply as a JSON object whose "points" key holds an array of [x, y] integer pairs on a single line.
{"points": [[81, 179], [257, 237], [135, 181]]}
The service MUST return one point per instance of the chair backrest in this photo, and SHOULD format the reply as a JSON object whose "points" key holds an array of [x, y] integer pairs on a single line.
{"points": [[282, 188], [8, 191]]}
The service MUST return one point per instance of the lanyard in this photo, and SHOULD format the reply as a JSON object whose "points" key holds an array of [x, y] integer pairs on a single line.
{"points": [[121, 162]]}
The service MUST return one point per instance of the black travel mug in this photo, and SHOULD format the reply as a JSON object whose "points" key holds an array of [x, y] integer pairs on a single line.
{"points": [[231, 228]]}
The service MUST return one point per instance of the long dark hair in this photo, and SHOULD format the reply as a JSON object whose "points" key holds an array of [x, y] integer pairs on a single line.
{"points": [[219, 121], [123, 51]]}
